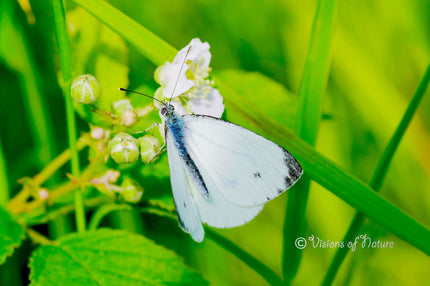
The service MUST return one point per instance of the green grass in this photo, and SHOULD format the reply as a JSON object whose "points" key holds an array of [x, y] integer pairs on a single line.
{"points": [[4, 185], [311, 98], [64, 48], [379, 175]]}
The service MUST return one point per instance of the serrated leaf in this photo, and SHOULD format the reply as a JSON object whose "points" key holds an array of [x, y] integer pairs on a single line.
{"points": [[11, 235], [109, 257]]}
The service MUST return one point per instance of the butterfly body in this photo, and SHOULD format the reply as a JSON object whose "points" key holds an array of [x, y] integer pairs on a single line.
{"points": [[222, 174]]}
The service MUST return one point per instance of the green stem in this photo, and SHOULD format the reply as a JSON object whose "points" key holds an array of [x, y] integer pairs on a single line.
{"points": [[311, 94], [4, 186], [268, 274], [40, 216], [102, 211], [64, 49], [379, 175]]}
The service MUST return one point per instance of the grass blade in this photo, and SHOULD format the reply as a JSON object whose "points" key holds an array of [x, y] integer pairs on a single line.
{"points": [[21, 60], [65, 51], [318, 167], [4, 186], [311, 95], [379, 175]]}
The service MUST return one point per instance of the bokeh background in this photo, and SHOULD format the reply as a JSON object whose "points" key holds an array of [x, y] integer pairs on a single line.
{"points": [[379, 52]]}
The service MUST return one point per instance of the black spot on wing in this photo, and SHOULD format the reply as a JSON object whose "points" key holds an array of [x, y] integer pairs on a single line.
{"points": [[294, 169], [288, 181], [257, 175]]}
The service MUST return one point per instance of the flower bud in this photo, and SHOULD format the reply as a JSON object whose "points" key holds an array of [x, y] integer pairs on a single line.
{"points": [[128, 117], [149, 148], [124, 149], [122, 105], [131, 192], [159, 71], [105, 183], [97, 133], [158, 96], [85, 89]]}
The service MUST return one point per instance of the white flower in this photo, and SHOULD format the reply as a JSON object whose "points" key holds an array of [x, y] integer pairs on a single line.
{"points": [[189, 88], [208, 102]]}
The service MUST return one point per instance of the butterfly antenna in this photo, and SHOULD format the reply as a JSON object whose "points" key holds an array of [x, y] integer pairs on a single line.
{"points": [[123, 89], [177, 79]]}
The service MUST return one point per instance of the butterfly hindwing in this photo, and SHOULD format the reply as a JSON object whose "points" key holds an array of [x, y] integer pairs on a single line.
{"points": [[185, 205]]}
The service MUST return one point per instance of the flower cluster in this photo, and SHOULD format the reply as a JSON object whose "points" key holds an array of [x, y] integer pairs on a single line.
{"points": [[124, 148], [185, 82]]}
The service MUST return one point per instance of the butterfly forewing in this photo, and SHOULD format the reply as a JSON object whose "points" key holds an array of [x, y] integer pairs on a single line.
{"points": [[244, 167]]}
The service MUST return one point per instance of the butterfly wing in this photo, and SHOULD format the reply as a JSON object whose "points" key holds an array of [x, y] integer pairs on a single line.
{"points": [[245, 168], [188, 215], [216, 211]]}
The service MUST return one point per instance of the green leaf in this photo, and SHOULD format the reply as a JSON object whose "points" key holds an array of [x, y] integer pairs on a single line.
{"points": [[272, 97], [318, 167], [109, 257], [11, 235]]}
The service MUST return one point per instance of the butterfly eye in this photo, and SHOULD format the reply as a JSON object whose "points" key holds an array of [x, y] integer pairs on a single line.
{"points": [[163, 110]]}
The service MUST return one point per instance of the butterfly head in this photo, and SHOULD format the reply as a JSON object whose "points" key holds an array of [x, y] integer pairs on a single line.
{"points": [[167, 110]]}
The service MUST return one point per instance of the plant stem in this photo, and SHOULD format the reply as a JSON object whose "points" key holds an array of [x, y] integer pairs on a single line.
{"points": [[379, 175], [268, 274], [311, 95], [102, 211], [38, 238], [4, 186], [40, 216], [66, 68], [56, 164]]}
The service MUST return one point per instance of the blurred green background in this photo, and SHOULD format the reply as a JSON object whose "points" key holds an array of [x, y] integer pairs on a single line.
{"points": [[379, 52]]}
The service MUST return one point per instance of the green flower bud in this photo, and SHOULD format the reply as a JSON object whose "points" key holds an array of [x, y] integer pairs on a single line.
{"points": [[158, 96], [123, 148], [131, 192], [122, 105], [85, 89], [158, 72], [149, 148]]}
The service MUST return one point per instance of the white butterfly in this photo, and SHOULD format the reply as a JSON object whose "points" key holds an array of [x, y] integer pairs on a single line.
{"points": [[222, 174]]}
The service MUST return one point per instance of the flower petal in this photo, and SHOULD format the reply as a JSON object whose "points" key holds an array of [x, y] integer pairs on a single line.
{"points": [[211, 105]]}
